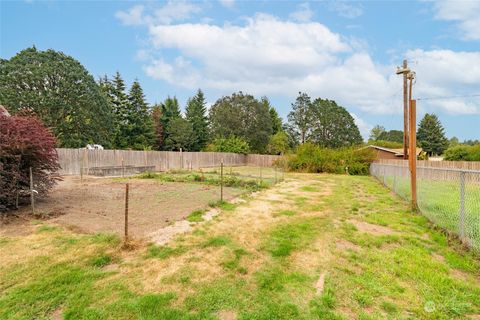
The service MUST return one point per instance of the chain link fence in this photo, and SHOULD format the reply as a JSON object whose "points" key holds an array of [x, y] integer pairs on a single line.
{"points": [[448, 197]]}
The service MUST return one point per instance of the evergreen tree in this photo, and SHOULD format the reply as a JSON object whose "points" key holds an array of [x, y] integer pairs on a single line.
{"points": [[196, 115], [431, 135], [170, 111], [139, 134], [158, 126], [120, 110], [180, 135], [276, 120]]}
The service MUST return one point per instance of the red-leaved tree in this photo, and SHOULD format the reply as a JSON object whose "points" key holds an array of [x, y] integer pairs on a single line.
{"points": [[25, 143]]}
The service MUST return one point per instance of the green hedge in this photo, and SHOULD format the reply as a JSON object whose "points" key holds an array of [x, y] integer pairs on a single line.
{"points": [[312, 158], [463, 153]]}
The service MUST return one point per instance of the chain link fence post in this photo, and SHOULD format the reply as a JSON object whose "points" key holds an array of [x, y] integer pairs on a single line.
{"points": [[462, 204]]}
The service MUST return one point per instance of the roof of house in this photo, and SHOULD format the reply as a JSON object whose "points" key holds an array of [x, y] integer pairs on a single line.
{"points": [[396, 152]]}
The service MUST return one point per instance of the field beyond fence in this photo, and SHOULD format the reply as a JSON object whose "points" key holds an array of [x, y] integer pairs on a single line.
{"points": [[73, 160], [448, 193]]}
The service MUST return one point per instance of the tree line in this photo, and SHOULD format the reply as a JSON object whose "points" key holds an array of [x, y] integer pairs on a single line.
{"points": [[80, 110]]}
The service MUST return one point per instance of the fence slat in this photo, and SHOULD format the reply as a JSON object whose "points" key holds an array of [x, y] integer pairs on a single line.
{"points": [[71, 160]]}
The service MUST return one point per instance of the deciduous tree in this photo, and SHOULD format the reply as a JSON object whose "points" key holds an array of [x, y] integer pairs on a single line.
{"points": [[61, 92], [332, 126], [242, 116], [25, 143]]}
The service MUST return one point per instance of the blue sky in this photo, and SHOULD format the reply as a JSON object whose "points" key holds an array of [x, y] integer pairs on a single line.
{"points": [[341, 50]]}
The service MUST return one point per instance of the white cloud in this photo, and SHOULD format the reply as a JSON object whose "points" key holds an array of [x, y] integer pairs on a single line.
{"points": [[303, 14], [172, 11], [362, 125], [270, 56], [227, 3], [346, 10], [465, 12], [446, 73], [131, 17]]}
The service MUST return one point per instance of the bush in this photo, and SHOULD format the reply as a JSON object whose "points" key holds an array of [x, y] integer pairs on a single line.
{"points": [[231, 144], [312, 158], [25, 143], [386, 144], [463, 153]]}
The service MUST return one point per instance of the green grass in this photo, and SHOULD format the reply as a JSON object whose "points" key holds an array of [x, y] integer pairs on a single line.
{"points": [[196, 216], [265, 269], [164, 252], [288, 237], [234, 181], [287, 213], [440, 202]]}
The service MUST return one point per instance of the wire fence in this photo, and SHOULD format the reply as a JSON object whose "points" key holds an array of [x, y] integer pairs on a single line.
{"points": [[449, 197], [155, 200]]}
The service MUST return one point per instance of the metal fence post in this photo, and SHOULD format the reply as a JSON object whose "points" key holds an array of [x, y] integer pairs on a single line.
{"points": [[32, 197], [221, 181], [462, 204], [126, 214]]}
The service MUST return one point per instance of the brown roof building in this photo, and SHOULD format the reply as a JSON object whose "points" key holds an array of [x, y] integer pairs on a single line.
{"points": [[386, 153]]}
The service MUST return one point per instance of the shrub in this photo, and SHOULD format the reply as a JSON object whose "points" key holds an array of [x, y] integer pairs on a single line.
{"points": [[312, 158], [25, 143], [231, 144], [386, 144], [463, 153]]}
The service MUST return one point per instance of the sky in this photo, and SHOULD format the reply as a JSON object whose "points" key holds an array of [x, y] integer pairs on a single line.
{"points": [[345, 51]]}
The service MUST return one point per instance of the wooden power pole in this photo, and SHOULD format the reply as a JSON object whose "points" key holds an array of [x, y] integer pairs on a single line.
{"points": [[405, 111], [413, 152]]}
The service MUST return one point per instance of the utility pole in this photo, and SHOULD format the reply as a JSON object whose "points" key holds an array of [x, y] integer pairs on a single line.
{"points": [[413, 152], [405, 71]]}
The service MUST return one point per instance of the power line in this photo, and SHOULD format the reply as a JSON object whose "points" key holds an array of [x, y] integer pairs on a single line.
{"points": [[451, 97]]}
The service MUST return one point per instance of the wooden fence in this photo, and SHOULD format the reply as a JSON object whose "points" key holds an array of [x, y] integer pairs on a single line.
{"points": [[461, 165], [439, 170], [71, 160]]}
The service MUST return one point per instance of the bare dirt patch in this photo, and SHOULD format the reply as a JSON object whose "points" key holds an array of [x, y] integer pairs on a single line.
{"points": [[346, 245], [374, 229], [97, 204], [227, 315], [320, 283]]}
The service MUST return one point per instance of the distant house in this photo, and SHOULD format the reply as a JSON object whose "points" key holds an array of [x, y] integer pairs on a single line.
{"points": [[386, 153], [4, 111]]}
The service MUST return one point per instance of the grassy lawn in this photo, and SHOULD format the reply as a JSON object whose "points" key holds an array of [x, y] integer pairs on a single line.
{"points": [[312, 247], [440, 202]]}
